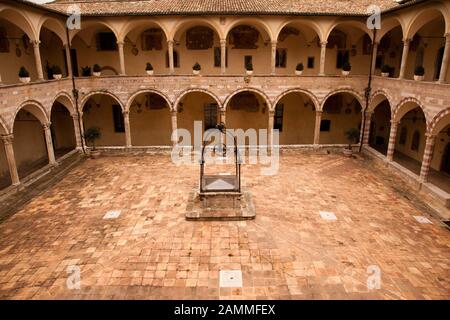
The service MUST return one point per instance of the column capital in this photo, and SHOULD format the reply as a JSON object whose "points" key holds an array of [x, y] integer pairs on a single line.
{"points": [[271, 112], [447, 36], [174, 112], [120, 43], [75, 116], [406, 41], [35, 43], [223, 41], [47, 125], [319, 112], [394, 122], [170, 42], [273, 42], [7, 138], [323, 43], [368, 112], [430, 136], [126, 113]]}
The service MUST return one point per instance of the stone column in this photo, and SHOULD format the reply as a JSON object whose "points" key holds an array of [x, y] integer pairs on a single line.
{"points": [[427, 157], [69, 60], [174, 126], [223, 56], [76, 127], [121, 57], [366, 133], [445, 59], [170, 49], [223, 120], [126, 121], [405, 52], [37, 59], [273, 57], [374, 58], [270, 128], [323, 52], [9, 150], [49, 142], [317, 127], [392, 140]]}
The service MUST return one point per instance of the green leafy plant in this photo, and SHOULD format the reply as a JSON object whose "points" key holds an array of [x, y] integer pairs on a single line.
{"points": [[419, 71], [91, 135], [23, 73], [197, 67], [56, 69], [299, 67], [352, 136], [347, 66], [86, 71], [97, 68], [385, 68], [149, 67]]}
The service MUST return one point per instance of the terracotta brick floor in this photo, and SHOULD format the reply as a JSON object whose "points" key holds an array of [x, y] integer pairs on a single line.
{"points": [[151, 252]]}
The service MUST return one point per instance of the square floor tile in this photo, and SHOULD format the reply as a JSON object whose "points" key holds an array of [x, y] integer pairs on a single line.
{"points": [[112, 214], [230, 278], [422, 219], [328, 215]]}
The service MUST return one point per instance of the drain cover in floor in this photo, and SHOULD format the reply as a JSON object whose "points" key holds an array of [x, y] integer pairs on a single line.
{"points": [[113, 214], [422, 219], [327, 215], [230, 278]]}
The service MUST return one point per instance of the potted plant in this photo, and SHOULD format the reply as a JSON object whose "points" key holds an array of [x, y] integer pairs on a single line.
{"points": [[149, 69], [385, 70], [299, 69], [352, 136], [196, 68], [346, 68], [97, 70], [90, 135], [86, 71], [249, 68], [24, 75], [56, 72], [418, 73]]}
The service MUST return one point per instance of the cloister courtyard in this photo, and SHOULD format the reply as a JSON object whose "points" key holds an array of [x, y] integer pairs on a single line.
{"points": [[289, 251]]}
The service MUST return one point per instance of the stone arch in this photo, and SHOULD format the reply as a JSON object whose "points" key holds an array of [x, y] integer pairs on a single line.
{"points": [[141, 25], [36, 109], [438, 123], [3, 127], [93, 93], [426, 15], [307, 23], [65, 99], [92, 24], [137, 93], [53, 25], [184, 93], [307, 93], [259, 24], [184, 24], [349, 91], [374, 99], [406, 105], [254, 90], [388, 24], [346, 23], [20, 20]]}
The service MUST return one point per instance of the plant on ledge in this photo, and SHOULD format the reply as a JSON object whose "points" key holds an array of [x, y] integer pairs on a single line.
{"points": [[346, 68], [97, 70], [249, 68], [91, 135], [196, 68], [385, 70], [86, 71], [299, 69], [352, 136], [56, 72], [149, 68], [24, 75], [419, 73]]}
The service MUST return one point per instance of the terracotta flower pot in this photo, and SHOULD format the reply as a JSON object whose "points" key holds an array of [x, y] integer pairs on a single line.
{"points": [[94, 154], [25, 79], [385, 74], [418, 78], [196, 72], [298, 72], [345, 73], [348, 152], [150, 72], [97, 74], [57, 76], [249, 72]]}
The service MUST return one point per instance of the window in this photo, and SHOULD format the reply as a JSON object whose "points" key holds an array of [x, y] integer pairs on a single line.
{"points": [[278, 118], [415, 141], [343, 56], [210, 116], [119, 125], [199, 38], [176, 59], [247, 60], [4, 43], [403, 135], [325, 125], [310, 62], [218, 55], [106, 41], [152, 39], [280, 58]]}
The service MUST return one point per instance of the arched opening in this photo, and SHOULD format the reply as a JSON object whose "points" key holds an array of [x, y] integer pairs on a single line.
{"points": [[249, 111], [439, 173], [297, 43], [389, 53], [95, 44], [341, 112], [16, 51], [195, 107], [380, 127], [145, 43], [348, 43], [150, 120], [248, 44], [426, 43], [410, 143], [5, 177], [62, 130], [30, 148], [196, 43], [52, 53], [294, 118], [105, 112]]}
